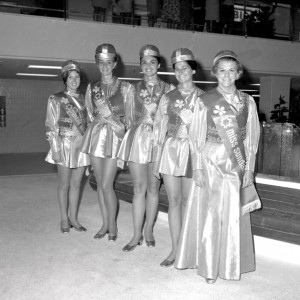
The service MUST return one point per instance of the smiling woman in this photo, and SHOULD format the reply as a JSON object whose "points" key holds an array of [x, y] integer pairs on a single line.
{"points": [[216, 235], [171, 142], [66, 123]]}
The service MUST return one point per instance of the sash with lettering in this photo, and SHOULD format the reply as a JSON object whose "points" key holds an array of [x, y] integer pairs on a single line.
{"points": [[72, 110], [228, 129], [111, 107]]}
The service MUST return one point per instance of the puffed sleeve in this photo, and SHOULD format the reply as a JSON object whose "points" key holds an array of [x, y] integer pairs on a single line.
{"points": [[252, 135], [52, 129], [160, 127], [197, 134]]}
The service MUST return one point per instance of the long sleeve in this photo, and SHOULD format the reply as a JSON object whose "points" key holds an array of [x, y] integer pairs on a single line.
{"points": [[52, 129], [197, 134], [129, 106], [252, 135], [89, 105], [160, 127]]}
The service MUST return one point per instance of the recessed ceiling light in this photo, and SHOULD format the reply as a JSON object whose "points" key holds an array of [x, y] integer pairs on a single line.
{"points": [[128, 78], [44, 67], [248, 90], [38, 75], [205, 82], [165, 73], [257, 84]]}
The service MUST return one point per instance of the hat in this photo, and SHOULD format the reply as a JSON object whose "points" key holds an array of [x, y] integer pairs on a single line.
{"points": [[182, 54], [149, 50], [70, 65], [225, 53], [105, 51]]}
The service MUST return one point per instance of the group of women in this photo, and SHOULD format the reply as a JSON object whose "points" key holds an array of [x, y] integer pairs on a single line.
{"points": [[202, 145]]}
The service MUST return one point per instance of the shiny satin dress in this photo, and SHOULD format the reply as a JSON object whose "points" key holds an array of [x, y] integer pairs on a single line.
{"points": [[141, 109], [170, 134], [62, 133], [105, 104], [215, 238]]}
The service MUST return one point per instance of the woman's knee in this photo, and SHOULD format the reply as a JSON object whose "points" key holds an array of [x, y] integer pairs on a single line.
{"points": [[174, 202], [139, 187]]}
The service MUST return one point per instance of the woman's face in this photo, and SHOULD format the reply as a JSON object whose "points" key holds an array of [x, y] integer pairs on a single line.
{"points": [[227, 74], [149, 66], [106, 66], [184, 72], [73, 81]]}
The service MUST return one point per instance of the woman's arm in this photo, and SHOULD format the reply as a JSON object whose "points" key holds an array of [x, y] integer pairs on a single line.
{"points": [[251, 142], [197, 135], [52, 129]]}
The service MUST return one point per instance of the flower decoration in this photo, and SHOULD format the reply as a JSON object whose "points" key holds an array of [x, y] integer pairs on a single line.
{"points": [[96, 89], [179, 103], [219, 110], [144, 93], [64, 100]]}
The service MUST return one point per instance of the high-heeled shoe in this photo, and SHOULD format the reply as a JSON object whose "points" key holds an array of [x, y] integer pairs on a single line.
{"points": [[167, 263], [77, 228], [210, 281], [150, 244], [64, 227], [112, 238], [99, 235], [129, 247]]}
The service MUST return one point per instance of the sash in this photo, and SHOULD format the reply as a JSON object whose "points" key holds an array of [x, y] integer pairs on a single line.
{"points": [[181, 109], [229, 131], [113, 102], [144, 101], [111, 107], [71, 109]]}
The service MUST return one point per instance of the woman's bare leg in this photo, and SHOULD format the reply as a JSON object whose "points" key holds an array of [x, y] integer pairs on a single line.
{"points": [[74, 191], [109, 171], [98, 165], [139, 177], [173, 186], [152, 198]]}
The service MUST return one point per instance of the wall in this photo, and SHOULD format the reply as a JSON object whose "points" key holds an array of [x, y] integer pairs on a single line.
{"points": [[26, 103]]}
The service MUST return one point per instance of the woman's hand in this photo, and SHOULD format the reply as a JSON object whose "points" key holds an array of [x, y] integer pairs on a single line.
{"points": [[247, 178], [56, 157], [199, 178]]}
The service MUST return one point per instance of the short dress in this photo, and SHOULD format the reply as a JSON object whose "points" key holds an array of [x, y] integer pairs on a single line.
{"points": [[141, 109], [170, 134], [105, 105], [66, 122]]}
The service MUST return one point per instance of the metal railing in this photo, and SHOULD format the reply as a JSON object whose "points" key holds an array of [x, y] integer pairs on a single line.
{"points": [[242, 26]]}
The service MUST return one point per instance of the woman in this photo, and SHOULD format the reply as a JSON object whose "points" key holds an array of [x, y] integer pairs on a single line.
{"points": [[65, 125], [216, 235], [136, 147], [171, 141], [105, 103]]}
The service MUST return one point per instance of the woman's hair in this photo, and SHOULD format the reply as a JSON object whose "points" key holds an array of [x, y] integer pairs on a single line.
{"points": [[216, 65], [65, 75], [191, 63], [114, 60], [156, 57]]}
